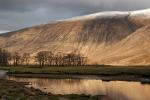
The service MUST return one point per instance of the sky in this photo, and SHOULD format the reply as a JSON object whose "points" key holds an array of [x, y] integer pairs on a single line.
{"points": [[18, 14]]}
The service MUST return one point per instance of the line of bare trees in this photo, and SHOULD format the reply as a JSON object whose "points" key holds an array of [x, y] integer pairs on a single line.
{"points": [[42, 58]]}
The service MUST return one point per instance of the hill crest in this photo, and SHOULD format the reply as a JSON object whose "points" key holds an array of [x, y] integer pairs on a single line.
{"points": [[120, 38]]}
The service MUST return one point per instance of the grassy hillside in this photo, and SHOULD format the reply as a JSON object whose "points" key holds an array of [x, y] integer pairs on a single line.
{"points": [[115, 38]]}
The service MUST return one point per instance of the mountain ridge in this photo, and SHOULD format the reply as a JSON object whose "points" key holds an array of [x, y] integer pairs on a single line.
{"points": [[105, 38]]}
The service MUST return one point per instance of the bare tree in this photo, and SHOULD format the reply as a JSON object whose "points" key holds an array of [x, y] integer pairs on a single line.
{"points": [[73, 59], [16, 58], [42, 58], [59, 59], [69, 59], [4, 57], [81, 60], [25, 58], [45, 58], [50, 57]]}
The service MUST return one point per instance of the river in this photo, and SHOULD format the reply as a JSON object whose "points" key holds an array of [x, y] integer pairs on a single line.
{"points": [[117, 90], [3, 73]]}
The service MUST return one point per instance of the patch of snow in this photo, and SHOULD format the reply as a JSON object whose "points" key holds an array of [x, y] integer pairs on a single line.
{"points": [[141, 13], [99, 15], [141, 17], [1, 32]]}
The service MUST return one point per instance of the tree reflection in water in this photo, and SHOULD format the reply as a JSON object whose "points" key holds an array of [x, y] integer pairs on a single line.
{"points": [[118, 90]]}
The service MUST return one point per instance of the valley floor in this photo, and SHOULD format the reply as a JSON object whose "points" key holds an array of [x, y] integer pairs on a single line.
{"points": [[11, 90], [127, 73]]}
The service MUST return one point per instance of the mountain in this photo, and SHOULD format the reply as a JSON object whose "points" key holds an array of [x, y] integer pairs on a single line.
{"points": [[115, 38]]}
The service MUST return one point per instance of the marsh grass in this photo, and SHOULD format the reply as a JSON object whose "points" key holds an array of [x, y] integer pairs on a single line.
{"points": [[81, 70]]}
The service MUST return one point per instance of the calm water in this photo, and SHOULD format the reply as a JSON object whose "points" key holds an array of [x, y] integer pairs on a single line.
{"points": [[117, 90], [3, 73]]}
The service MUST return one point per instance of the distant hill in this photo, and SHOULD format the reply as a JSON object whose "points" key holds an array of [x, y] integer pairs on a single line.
{"points": [[116, 38]]}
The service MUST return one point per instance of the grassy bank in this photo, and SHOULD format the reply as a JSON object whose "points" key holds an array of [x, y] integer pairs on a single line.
{"points": [[11, 90], [85, 70]]}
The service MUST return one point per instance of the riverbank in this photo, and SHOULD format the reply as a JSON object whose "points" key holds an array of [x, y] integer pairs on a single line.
{"points": [[133, 78], [11, 90], [84, 70], [107, 73]]}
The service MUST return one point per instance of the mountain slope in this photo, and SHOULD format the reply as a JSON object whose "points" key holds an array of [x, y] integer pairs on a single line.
{"points": [[120, 38]]}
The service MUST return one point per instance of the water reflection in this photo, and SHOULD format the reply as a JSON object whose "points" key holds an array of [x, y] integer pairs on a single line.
{"points": [[118, 90], [3, 73]]}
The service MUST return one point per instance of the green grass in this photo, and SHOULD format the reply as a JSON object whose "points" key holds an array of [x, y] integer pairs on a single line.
{"points": [[84, 70]]}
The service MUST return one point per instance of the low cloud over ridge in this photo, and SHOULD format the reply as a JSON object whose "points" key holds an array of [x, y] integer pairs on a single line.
{"points": [[16, 14]]}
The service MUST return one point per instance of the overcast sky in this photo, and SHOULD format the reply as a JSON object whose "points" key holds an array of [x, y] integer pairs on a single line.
{"points": [[17, 14]]}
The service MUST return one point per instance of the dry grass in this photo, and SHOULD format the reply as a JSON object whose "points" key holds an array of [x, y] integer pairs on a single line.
{"points": [[84, 70]]}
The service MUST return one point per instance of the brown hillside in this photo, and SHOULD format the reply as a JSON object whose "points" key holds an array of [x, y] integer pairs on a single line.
{"points": [[119, 38]]}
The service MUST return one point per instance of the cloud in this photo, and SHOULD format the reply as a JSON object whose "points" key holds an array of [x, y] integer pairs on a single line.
{"points": [[2, 31], [16, 14]]}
